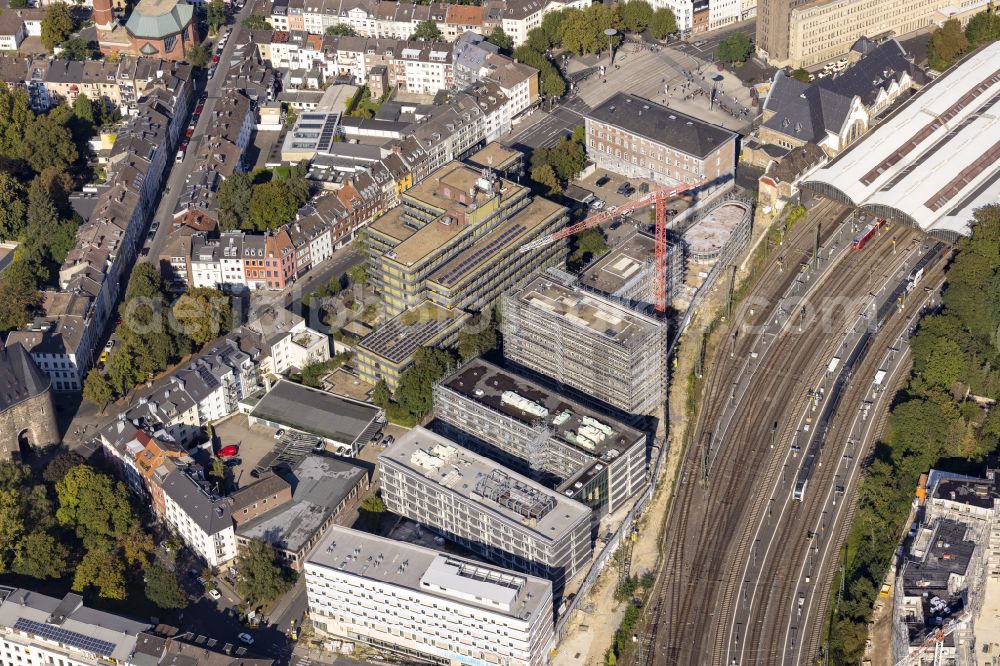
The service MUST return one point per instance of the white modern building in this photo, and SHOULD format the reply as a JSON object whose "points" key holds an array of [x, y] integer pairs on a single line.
{"points": [[426, 604]]}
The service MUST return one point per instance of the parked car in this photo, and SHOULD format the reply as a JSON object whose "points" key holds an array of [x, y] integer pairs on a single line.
{"points": [[228, 451], [597, 204], [377, 438], [109, 345], [246, 638], [214, 594], [103, 358], [387, 442], [279, 433], [144, 252], [603, 180], [617, 223], [180, 155], [624, 188], [215, 60], [201, 580], [198, 109]]}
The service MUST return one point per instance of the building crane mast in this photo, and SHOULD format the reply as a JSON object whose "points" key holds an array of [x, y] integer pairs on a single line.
{"points": [[657, 197]]}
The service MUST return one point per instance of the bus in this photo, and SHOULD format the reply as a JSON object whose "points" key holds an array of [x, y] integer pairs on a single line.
{"points": [[800, 490], [866, 233]]}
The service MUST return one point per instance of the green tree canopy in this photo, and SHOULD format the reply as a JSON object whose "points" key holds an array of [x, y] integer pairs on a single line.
{"points": [[501, 40], [204, 314], [101, 569], [76, 48], [255, 22], [636, 15], [426, 31], [61, 465], [57, 24], [947, 43], [662, 23], [40, 555], [735, 48], [800, 75], [198, 55], [96, 389], [48, 143], [583, 31], [982, 28], [340, 30], [13, 206], [19, 296], [215, 14], [261, 579], [273, 204], [163, 589], [546, 176], [94, 505]]}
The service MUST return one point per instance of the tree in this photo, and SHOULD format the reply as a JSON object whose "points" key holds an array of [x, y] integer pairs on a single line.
{"points": [[217, 471], [94, 505], [545, 175], [83, 108], [18, 4], [552, 26], [735, 48], [382, 396], [198, 55], [163, 589], [477, 337], [947, 43], [255, 22], [370, 513], [800, 75], [19, 297], [580, 135], [983, 27], [61, 465], [358, 274], [11, 524], [48, 143], [234, 196], [341, 30], [261, 579], [13, 206], [426, 31], [537, 40], [104, 570], [57, 24], [76, 48], [589, 244], [566, 157], [40, 555], [636, 15], [583, 31], [662, 23], [501, 40], [272, 204], [413, 394], [204, 314], [96, 389], [215, 14]]}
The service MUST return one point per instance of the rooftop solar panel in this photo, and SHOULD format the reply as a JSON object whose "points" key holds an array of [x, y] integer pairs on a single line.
{"points": [[65, 637]]}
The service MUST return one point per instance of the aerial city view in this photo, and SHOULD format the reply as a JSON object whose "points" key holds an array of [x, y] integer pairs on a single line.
{"points": [[499, 332]]}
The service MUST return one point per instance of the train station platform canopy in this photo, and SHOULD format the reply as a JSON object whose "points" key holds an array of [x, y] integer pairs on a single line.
{"points": [[935, 160]]}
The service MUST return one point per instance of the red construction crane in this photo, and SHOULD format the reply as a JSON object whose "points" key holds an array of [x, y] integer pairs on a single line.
{"points": [[657, 197]]}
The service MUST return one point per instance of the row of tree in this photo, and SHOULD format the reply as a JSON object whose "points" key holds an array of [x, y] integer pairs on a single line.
{"points": [[42, 158], [155, 331], [264, 199], [935, 422], [551, 167], [950, 42]]}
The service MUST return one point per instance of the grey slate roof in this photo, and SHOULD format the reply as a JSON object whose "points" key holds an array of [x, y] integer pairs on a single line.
{"points": [[210, 513], [20, 378], [877, 69], [315, 412], [661, 124]]}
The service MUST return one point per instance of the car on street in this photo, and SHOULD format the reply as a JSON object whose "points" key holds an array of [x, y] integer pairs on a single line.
{"points": [[699, 44], [617, 223], [246, 638], [180, 155], [198, 109], [215, 60], [144, 252], [603, 180], [214, 594]]}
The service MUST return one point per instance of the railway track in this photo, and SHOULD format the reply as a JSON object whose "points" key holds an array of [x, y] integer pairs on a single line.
{"points": [[694, 593], [797, 570]]}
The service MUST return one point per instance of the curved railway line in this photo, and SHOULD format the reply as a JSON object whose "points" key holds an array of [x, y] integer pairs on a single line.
{"points": [[709, 526]]}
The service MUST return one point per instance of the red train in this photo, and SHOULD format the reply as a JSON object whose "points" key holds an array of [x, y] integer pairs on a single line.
{"points": [[866, 233]]}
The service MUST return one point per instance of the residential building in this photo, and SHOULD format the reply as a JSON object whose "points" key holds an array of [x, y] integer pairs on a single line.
{"points": [[27, 414], [39, 629], [541, 433], [17, 24], [451, 246], [500, 515], [287, 342], [519, 17], [587, 342], [200, 517], [153, 649], [802, 33], [63, 338], [427, 605], [324, 488], [639, 138], [835, 111]]}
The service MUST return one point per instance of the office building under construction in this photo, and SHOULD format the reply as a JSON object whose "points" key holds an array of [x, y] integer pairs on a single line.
{"points": [[553, 326], [581, 453], [504, 517]]}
